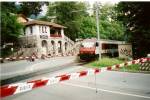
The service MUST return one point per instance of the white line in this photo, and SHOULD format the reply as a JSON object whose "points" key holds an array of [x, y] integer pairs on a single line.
{"points": [[115, 92]]}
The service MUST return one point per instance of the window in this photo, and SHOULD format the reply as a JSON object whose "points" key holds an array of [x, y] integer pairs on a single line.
{"points": [[45, 29], [31, 29], [42, 29]]}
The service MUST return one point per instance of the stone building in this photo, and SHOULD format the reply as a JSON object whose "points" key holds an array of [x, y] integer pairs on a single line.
{"points": [[42, 37]]}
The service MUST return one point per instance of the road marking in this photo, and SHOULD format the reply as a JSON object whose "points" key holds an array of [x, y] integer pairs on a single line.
{"points": [[115, 92]]}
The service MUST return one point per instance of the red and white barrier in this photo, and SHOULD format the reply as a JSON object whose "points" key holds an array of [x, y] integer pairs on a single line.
{"points": [[27, 86], [18, 58]]}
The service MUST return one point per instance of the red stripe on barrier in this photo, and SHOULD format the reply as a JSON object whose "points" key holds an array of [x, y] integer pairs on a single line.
{"points": [[117, 66], [126, 63], [133, 62], [34, 81], [97, 70], [109, 68], [40, 83], [148, 59], [141, 60], [83, 73], [5, 91], [64, 77]]}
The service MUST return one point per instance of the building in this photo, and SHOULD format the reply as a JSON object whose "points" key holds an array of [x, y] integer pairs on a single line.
{"points": [[44, 38]]}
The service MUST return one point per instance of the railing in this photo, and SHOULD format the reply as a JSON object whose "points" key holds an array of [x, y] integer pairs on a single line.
{"points": [[69, 40], [55, 35]]}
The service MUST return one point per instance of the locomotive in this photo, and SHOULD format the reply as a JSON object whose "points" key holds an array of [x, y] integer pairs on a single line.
{"points": [[89, 50]]}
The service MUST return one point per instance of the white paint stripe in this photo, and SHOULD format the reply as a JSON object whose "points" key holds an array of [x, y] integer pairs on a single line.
{"points": [[137, 61], [103, 69], [114, 92], [113, 67], [130, 63], [7, 58], [74, 75], [26, 57], [24, 88], [144, 60], [121, 65], [90, 72], [53, 80], [20, 57], [16, 84]]}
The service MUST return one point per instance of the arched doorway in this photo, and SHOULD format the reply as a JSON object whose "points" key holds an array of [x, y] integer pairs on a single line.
{"points": [[44, 47], [53, 46], [59, 46], [66, 46]]}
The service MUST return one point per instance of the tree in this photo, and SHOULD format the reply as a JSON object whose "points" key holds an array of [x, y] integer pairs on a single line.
{"points": [[87, 27], [68, 14], [30, 8], [80, 24], [10, 28], [135, 16], [110, 27]]}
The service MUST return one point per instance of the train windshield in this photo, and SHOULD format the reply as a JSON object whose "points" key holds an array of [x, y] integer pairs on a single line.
{"points": [[88, 44]]}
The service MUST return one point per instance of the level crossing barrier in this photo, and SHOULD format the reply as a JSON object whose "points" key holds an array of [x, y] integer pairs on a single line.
{"points": [[16, 88]]}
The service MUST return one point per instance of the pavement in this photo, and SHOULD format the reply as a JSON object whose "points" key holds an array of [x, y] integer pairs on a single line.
{"points": [[16, 68], [110, 85]]}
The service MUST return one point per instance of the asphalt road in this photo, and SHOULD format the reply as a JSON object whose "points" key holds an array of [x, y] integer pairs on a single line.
{"points": [[16, 68], [109, 85]]}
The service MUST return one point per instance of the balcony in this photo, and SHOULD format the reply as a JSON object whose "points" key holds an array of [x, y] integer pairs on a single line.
{"points": [[55, 35]]}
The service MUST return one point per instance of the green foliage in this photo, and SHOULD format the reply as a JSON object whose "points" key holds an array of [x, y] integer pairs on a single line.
{"points": [[68, 15], [110, 28], [131, 68], [87, 27], [8, 7], [135, 16], [79, 24], [30, 8], [10, 28]]}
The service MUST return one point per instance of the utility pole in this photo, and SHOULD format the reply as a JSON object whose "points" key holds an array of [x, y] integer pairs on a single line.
{"points": [[97, 25]]}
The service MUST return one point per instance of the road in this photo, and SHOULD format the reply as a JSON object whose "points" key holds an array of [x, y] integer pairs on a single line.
{"points": [[110, 85], [13, 69]]}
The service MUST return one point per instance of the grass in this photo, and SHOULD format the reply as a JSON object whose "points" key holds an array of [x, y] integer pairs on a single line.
{"points": [[131, 68], [105, 62]]}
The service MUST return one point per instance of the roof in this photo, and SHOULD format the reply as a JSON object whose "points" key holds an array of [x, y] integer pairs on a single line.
{"points": [[23, 16], [112, 41], [106, 41], [37, 22]]}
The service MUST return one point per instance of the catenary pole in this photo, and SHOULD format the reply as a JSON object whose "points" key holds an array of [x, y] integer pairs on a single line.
{"points": [[98, 33]]}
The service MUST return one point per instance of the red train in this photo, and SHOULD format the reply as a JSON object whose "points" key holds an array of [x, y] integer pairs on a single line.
{"points": [[89, 49]]}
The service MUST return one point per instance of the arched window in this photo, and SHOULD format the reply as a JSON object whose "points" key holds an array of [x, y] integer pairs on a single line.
{"points": [[44, 43]]}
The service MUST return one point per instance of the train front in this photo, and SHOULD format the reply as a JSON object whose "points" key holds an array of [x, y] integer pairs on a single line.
{"points": [[88, 50]]}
